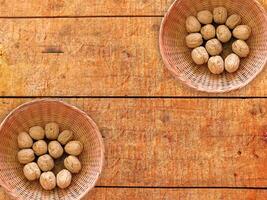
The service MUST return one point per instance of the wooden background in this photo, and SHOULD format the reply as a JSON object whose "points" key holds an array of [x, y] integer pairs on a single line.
{"points": [[163, 140]]}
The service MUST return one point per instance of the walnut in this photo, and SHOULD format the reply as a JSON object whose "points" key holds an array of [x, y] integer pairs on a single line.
{"points": [[232, 63], [74, 148], [52, 130], [233, 21], [26, 156], [205, 17], [220, 15], [208, 31], [240, 48], [39, 147], [37, 132], [223, 33], [31, 171], [200, 56], [192, 24], [72, 164], [24, 140], [65, 136], [55, 149], [216, 64], [242, 32], [194, 40], [48, 180], [45, 162], [64, 179], [214, 47]]}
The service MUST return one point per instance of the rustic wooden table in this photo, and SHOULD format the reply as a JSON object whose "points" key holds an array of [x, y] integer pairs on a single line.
{"points": [[163, 140]]}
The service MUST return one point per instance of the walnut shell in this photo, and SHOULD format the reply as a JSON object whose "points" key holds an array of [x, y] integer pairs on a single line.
{"points": [[240, 48], [205, 17], [216, 64], [37, 132], [214, 47], [31, 171], [194, 40], [24, 140], [45, 162], [242, 32], [220, 15], [64, 179], [200, 55], [55, 149], [233, 21], [26, 156], [48, 180], [192, 24], [231, 63], [72, 164], [208, 31], [74, 148], [223, 33], [52, 130], [40, 147], [65, 136]]}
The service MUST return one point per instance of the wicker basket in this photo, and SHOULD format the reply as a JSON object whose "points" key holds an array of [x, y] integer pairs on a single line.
{"points": [[40, 112], [177, 57]]}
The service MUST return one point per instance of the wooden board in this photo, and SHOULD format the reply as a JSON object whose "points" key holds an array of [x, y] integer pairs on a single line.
{"points": [[89, 57], [178, 142]]}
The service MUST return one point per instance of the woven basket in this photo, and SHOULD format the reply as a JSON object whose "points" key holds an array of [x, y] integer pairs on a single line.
{"points": [[40, 112], [177, 57]]}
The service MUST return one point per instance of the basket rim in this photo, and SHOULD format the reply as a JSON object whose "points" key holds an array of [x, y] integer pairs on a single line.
{"points": [[189, 83], [84, 114]]}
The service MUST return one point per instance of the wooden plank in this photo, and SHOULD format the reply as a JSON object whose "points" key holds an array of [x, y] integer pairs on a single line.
{"points": [[86, 8], [178, 142], [91, 56]]}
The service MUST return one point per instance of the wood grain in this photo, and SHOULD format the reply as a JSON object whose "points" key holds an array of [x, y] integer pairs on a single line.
{"points": [[178, 142], [89, 57]]}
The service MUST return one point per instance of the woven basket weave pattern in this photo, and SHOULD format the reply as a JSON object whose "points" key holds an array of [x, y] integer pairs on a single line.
{"points": [[39, 113], [177, 56]]}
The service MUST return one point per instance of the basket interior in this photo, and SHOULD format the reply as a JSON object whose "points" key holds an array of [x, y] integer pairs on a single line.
{"points": [[40, 113], [177, 55]]}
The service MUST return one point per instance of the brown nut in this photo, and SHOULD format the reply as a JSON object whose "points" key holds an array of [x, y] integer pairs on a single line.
{"points": [[242, 32], [192, 24], [240, 48], [37, 132], [208, 31], [64, 179], [31, 171], [231, 63], [223, 33], [65, 136], [48, 180], [194, 40], [74, 148], [205, 17], [40, 147], [26, 156], [214, 47], [233, 21], [216, 64], [72, 164], [200, 56], [45, 162], [55, 149], [24, 140], [52, 130], [220, 15]]}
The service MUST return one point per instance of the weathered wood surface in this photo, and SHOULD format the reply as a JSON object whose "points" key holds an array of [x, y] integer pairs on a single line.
{"points": [[92, 57], [178, 142], [85, 7]]}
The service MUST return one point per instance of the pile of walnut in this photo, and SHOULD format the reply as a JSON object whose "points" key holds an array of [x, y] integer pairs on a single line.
{"points": [[215, 29], [41, 147]]}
